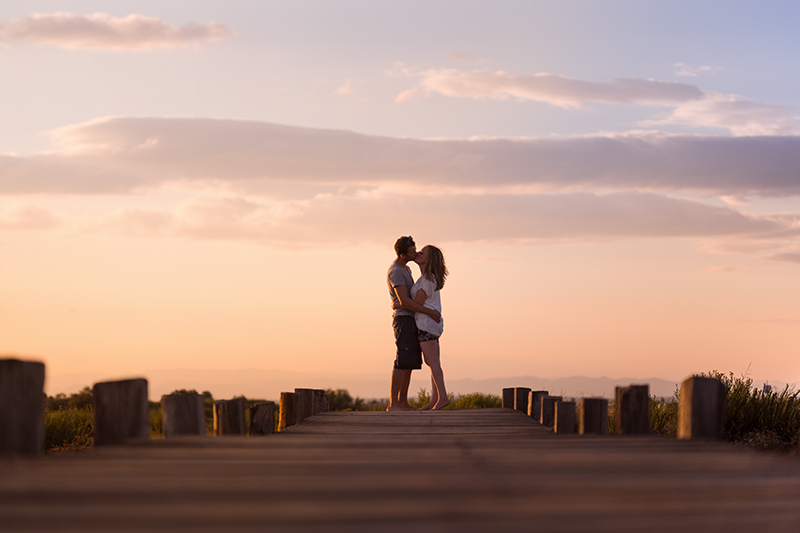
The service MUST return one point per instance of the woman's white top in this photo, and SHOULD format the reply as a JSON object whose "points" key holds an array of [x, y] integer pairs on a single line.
{"points": [[433, 301]]}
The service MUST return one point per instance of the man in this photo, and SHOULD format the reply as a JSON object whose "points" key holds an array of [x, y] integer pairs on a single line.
{"points": [[409, 355]]}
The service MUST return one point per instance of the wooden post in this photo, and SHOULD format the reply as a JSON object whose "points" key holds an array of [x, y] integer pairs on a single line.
{"points": [[229, 417], [594, 416], [701, 413], [319, 402], [548, 414], [21, 408], [535, 403], [508, 398], [521, 398], [565, 418], [121, 412], [303, 404], [286, 415], [182, 414], [262, 418], [632, 410]]}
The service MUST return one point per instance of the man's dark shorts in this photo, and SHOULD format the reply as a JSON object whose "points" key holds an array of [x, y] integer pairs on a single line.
{"points": [[409, 356]]}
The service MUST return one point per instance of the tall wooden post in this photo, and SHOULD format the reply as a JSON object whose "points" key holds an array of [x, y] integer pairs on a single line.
{"points": [[508, 398], [229, 417], [319, 401], [594, 416], [303, 404], [632, 412], [121, 412], [286, 415], [548, 414], [535, 403], [21, 408], [701, 413], [182, 414], [262, 418], [564, 418], [521, 398]]}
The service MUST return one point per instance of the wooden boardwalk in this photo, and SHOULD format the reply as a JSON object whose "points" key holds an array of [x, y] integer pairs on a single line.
{"points": [[474, 470]]}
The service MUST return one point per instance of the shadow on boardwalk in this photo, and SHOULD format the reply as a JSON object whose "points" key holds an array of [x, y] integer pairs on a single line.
{"points": [[472, 470]]}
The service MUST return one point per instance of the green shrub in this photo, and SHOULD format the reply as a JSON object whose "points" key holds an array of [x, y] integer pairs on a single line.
{"points": [[68, 429]]}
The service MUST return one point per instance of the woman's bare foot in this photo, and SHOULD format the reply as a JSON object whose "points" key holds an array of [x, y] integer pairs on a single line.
{"points": [[441, 405], [428, 406]]}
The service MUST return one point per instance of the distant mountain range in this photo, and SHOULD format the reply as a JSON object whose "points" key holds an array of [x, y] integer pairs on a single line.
{"points": [[268, 384]]}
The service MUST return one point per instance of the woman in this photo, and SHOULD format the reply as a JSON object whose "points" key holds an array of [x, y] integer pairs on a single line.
{"points": [[426, 292]]}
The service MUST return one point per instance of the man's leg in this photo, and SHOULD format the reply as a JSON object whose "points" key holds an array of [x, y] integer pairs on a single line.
{"points": [[398, 401]]}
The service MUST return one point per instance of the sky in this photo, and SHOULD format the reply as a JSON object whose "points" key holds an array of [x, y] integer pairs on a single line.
{"points": [[615, 185]]}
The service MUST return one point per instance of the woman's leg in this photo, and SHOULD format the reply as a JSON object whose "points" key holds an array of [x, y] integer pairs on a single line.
{"points": [[430, 351]]}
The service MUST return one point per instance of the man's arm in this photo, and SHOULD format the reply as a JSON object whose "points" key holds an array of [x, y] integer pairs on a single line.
{"points": [[407, 303]]}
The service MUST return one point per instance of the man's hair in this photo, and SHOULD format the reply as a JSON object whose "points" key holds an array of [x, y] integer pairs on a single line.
{"points": [[402, 245], [435, 269]]}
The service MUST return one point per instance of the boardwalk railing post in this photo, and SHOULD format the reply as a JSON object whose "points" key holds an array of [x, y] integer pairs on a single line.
{"points": [[262, 418], [535, 403], [564, 418], [21, 408], [182, 414], [229, 417], [548, 414], [701, 413], [508, 398], [632, 410], [319, 401], [594, 416], [286, 415], [303, 404], [121, 412], [521, 398]]}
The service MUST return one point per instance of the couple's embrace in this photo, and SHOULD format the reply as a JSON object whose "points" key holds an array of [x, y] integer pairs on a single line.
{"points": [[417, 321]]}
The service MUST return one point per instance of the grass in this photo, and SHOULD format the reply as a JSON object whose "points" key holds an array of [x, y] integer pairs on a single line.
{"points": [[68, 430]]}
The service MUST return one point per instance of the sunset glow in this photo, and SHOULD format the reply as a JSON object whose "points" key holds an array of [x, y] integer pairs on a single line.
{"points": [[615, 185]]}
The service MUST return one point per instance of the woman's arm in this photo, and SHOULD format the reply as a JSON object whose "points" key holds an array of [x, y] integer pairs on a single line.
{"points": [[407, 303]]}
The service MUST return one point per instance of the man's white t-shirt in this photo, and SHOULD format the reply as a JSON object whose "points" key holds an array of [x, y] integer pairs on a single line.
{"points": [[433, 301]]}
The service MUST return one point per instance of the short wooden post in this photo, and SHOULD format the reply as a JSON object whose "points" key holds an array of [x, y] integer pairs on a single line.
{"points": [[564, 418], [548, 414], [701, 413], [521, 398], [182, 414], [121, 412], [303, 404], [262, 418], [319, 401], [632, 410], [535, 403], [21, 408], [508, 398], [286, 415], [594, 416], [229, 417]]}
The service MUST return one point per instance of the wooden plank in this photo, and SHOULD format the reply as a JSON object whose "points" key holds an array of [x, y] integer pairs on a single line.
{"points": [[507, 474]]}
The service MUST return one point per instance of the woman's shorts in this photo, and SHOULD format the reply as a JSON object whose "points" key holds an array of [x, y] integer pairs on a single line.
{"points": [[423, 336]]}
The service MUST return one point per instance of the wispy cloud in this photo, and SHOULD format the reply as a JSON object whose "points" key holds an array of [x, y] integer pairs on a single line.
{"points": [[26, 217], [554, 89], [346, 88], [102, 31], [682, 69]]}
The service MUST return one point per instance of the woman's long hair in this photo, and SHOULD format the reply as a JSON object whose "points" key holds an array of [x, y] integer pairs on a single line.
{"points": [[436, 269]]}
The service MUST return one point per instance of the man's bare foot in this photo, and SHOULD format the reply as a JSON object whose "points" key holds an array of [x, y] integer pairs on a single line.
{"points": [[398, 407], [409, 407], [428, 406], [441, 405]]}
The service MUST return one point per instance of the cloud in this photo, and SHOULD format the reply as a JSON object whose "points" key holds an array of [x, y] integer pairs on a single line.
{"points": [[341, 219], [733, 113], [346, 88], [102, 31], [789, 257], [26, 217], [124, 155], [554, 89], [682, 69]]}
